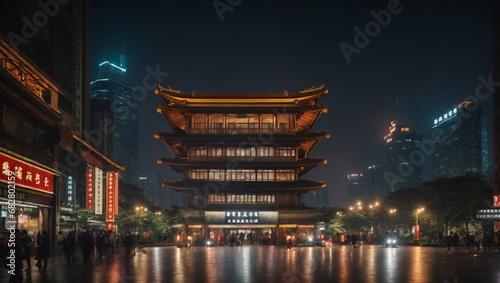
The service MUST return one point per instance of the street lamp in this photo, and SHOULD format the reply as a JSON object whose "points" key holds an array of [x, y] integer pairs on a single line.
{"points": [[417, 228], [391, 212], [372, 206]]}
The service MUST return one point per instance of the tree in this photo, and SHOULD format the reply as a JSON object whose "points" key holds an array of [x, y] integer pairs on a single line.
{"points": [[456, 200], [82, 216]]}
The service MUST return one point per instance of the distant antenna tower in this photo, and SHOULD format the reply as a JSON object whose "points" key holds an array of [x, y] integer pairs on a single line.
{"points": [[397, 110], [123, 58]]}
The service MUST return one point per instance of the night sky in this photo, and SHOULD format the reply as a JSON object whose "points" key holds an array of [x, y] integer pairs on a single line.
{"points": [[428, 56]]}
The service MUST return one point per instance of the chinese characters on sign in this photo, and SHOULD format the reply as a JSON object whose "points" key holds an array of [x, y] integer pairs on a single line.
{"points": [[27, 175], [242, 217], [90, 188], [111, 195], [98, 191], [69, 201]]}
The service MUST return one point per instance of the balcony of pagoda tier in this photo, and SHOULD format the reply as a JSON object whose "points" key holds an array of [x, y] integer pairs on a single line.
{"points": [[214, 187], [302, 166], [179, 143], [239, 131]]}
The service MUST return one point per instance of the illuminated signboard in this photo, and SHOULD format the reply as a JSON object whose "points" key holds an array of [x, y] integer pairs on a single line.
{"points": [[250, 217], [27, 175], [89, 176], [242, 217], [496, 201], [69, 190], [98, 191], [111, 195]]}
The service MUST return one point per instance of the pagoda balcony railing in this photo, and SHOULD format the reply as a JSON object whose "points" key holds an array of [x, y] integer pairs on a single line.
{"points": [[242, 158], [234, 131]]}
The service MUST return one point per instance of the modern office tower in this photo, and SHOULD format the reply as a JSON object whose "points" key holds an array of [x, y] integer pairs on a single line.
{"points": [[403, 158], [243, 156], [374, 183], [461, 143], [111, 86], [44, 118], [354, 188]]}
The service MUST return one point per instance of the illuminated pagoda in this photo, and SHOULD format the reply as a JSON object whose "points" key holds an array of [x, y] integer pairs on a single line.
{"points": [[243, 156]]}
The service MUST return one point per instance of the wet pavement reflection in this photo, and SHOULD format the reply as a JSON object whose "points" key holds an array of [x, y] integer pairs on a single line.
{"points": [[276, 264]]}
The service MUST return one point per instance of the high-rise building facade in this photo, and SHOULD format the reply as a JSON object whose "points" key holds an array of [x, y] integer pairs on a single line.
{"points": [[374, 183], [462, 144], [111, 86], [242, 156], [403, 160], [354, 188]]}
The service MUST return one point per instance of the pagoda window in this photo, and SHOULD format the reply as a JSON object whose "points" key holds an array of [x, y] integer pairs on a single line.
{"points": [[231, 198], [265, 151], [216, 175], [245, 175], [215, 151], [198, 151], [265, 175], [231, 151], [198, 174], [199, 121], [285, 151], [250, 151], [231, 175], [283, 121], [217, 121], [285, 175], [216, 199], [267, 119]]}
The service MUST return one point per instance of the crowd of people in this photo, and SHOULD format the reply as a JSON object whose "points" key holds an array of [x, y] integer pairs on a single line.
{"points": [[92, 244]]}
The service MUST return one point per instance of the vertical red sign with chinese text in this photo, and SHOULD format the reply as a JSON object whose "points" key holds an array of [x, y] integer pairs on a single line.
{"points": [[90, 188], [111, 195]]}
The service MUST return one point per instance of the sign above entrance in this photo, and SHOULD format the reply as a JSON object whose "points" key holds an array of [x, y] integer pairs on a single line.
{"points": [[241, 217], [27, 175]]}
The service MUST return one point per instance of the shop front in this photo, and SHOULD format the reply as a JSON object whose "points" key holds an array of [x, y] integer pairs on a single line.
{"points": [[26, 195]]}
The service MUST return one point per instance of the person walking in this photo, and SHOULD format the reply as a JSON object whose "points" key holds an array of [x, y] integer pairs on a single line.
{"points": [[69, 247], [100, 243], [127, 243], [43, 251], [86, 245], [60, 238], [456, 240], [449, 241], [354, 239], [27, 243], [477, 240], [496, 237]]}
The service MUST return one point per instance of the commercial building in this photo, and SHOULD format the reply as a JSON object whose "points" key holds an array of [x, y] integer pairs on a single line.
{"points": [[354, 188], [403, 158], [462, 144], [123, 143], [242, 156]]}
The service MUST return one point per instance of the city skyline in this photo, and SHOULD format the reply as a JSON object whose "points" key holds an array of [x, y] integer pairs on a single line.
{"points": [[432, 55]]}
